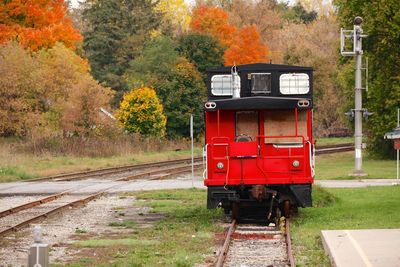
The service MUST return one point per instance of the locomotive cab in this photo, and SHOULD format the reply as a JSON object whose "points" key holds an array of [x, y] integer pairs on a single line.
{"points": [[259, 149]]}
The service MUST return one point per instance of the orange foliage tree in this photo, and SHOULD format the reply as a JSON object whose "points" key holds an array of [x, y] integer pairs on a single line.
{"points": [[243, 47], [213, 21], [37, 24], [246, 48]]}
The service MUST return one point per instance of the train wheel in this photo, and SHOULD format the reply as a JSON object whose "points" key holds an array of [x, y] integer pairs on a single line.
{"points": [[286, 209]]}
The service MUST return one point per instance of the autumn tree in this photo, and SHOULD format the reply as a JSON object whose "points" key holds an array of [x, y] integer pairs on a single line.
{"points": [[141, 112], [17, 101], [48, 92], [213, 21], [382, 24], [315, 45], [175, 15], [116, 33], [246, 48], [37, 24]]}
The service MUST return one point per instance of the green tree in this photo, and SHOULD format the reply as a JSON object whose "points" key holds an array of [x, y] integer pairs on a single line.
{"points": [[177, 82], [297, 13], [202, 50], [183, 93], [382, 24], [157, 59], [141, 112], [116, 32]]}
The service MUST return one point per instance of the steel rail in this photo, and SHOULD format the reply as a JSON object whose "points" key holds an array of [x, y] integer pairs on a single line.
{"points": [[289, 244], [171, 171], [165, 174], [225, 247], [333, 150], [32, 204], [44, 215], [112, 170]]}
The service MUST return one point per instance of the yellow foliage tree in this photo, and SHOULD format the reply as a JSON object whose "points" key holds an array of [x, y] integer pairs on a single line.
{"points": [[141, 112], [176, 13]]}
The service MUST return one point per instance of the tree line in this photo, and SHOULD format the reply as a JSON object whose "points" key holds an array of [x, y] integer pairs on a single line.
{"points": [[146, 61]]}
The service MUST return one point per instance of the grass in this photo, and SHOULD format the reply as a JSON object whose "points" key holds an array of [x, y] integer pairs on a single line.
{"points": [[125, 224], [94, 243], [338, 166], [361, 208], [16, 166], [183, 236], [324, 141]]}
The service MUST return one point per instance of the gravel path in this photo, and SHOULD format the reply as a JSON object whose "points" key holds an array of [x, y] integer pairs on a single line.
{"points": [[60, 231]]}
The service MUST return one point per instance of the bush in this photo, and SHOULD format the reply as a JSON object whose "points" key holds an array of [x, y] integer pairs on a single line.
{"points": [[141, 112]]}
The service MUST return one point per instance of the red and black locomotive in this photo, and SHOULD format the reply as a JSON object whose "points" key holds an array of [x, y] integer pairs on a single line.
{"points": [[259, 149]]}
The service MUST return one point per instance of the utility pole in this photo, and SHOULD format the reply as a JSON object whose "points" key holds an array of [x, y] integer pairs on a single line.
{"points": [[356, 36]]}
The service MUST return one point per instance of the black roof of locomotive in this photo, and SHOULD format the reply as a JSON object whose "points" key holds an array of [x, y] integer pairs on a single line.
{"points": [[261, 67], [274, 99]]}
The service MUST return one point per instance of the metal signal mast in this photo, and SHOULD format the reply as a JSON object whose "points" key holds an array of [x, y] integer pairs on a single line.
{"points": [[354, 38]]}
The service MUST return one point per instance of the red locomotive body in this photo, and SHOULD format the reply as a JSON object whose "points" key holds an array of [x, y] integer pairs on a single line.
{"points": [[259, 148]]}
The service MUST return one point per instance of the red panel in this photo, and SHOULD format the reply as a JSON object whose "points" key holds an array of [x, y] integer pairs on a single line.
{"points": [[241, 161], [242, 149]]}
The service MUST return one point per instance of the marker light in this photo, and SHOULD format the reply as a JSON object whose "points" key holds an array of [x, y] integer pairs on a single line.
{"points": [[296, 163], [210, 105], [303, 103], [220, 165]]}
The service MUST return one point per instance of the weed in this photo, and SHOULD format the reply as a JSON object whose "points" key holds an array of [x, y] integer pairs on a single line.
{"points": [[126, 224], [80, 231]]}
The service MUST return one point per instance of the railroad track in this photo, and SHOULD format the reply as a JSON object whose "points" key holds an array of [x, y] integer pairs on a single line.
{"points": [[16, 218], [257, 245], [331, 149], [114, 170], [129, 168]]}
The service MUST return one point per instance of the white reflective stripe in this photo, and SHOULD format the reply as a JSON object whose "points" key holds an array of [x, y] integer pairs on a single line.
{"points": [[205, 151], [311, 158], [359, 249]]}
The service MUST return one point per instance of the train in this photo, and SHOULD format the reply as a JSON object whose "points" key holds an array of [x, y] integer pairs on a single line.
{"points": [[259, 150]]}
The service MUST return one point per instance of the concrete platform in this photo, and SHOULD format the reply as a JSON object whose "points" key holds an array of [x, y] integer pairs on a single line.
{"points": [[93, 185], [370, 248], [356, 183]]}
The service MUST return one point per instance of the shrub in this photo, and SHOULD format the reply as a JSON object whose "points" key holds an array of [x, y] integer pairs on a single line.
{"points": [[141, 112]]}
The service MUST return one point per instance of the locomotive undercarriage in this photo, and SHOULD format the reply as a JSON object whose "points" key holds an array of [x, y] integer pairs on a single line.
{"points": [[259, 201]]}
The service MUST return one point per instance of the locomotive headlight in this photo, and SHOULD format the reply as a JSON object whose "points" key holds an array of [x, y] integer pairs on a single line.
{"points": [[296, 163], [220, 165]]}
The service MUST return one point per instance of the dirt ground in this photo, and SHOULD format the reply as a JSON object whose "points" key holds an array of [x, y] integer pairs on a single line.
{"points": [[62, 230]]}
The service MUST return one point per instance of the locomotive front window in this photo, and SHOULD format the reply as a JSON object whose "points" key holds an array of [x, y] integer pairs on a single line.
{"points": [[260, 83], [221, 85], [294, 84]]}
